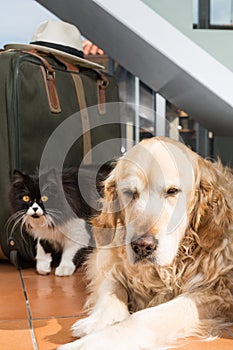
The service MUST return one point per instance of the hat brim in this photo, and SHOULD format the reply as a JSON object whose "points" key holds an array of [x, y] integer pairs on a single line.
{"points": [[70, 58]]}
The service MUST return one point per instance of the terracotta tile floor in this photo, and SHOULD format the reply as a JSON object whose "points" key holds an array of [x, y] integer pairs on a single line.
{"points": [[36, 312]]}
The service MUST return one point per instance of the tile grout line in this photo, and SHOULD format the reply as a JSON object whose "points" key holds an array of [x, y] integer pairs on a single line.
{"points": [[34, 342]]}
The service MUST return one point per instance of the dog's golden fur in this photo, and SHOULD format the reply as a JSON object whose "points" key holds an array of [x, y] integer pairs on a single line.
{"points": [[201, 270]]}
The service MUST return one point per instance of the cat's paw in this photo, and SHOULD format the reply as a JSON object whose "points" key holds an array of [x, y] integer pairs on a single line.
{"points": [[65, 270], [43, 267]]}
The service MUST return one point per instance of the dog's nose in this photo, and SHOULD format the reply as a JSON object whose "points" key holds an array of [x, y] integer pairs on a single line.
{"points": [[144, 245]]}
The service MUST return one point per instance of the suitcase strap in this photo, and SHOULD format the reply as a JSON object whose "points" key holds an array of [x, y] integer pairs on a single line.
{"points": [[48, 74], [51, 91], [86, 129], [87, 156], [102, 85]]}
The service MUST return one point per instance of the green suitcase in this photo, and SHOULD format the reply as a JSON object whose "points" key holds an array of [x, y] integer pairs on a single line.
{"points": [[39, 94]]}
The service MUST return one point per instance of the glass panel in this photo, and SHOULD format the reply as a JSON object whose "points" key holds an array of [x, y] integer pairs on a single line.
{"points": [[146, 119], [221, 12], [179, 125], [195, 11]]}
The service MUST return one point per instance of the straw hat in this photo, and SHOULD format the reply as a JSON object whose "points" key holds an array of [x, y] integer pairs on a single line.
{"points": [[59, 38]]}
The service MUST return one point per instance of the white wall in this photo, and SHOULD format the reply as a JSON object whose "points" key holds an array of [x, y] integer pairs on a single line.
{"points": [[219, 43]]}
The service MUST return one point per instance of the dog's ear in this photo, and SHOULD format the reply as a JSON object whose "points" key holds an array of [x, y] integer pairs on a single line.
{"points": [[213, 210], [111, 217]]}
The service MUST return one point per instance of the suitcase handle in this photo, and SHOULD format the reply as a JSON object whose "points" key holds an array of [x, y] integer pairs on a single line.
{"points": [[102, 83], [69, 66]]}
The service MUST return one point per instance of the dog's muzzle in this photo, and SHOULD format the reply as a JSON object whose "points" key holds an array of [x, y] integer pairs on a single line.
{"points": [[144, 246]]}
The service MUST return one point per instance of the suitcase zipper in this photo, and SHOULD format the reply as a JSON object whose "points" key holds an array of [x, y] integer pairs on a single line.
{"points": [[15, 123]]}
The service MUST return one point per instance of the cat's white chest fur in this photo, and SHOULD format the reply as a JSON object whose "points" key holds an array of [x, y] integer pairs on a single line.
{"points": [[73, 230], [71, 236]]}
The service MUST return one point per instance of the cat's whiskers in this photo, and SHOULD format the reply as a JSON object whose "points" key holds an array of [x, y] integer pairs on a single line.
{"points": [[16, 219], [54, 214], [24, 218], [15, 216], [48, 222]]}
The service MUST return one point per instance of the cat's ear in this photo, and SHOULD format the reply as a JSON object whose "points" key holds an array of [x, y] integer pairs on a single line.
{"points": [[18, 177], [52, 176], [49, 177]]}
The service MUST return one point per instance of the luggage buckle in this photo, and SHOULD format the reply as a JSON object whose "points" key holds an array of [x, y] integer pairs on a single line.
{"points": [[50, 75], [103, 83]]}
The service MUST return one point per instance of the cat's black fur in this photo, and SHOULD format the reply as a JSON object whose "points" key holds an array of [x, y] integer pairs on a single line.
{"points": [[55, 205]]}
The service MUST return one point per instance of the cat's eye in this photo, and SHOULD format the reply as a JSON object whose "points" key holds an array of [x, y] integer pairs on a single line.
{"points": [[26, 199], [44, 198]]}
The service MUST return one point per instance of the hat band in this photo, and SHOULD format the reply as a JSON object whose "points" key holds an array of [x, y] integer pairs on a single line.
{"points": [[66, 49]]}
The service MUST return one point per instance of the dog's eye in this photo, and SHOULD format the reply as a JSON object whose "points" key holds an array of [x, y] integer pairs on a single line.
{"points": [[172, 191], [130, 193]]}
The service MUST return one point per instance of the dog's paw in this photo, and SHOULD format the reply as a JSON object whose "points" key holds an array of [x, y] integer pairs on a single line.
{"points": [[43, 267], [76, 345], [65, 270], [107, 312], [84, 326], [97, 321], [85, 344], [119, 336], [93, 342]]}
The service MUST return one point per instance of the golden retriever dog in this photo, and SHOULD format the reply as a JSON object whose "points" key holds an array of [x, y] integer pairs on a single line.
{"points": [[163, 266]]}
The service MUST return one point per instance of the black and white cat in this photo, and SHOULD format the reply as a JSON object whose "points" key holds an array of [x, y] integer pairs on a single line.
{"points": [[55, 210]]}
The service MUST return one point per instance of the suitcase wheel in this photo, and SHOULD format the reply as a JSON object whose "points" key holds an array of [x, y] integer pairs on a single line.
{"points": [[14, 258]]}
